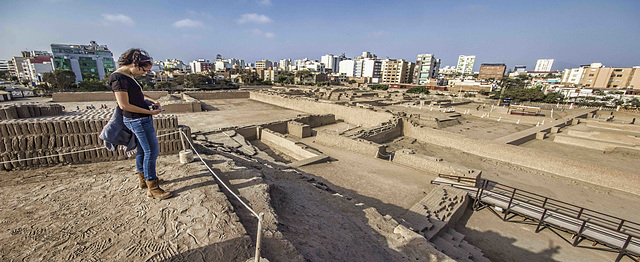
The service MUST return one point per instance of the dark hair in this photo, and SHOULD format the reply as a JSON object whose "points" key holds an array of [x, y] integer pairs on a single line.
{"points": [[136, 56]]}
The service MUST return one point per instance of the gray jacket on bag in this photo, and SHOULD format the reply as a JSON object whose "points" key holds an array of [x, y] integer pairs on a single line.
{"points": [[115, 133]]}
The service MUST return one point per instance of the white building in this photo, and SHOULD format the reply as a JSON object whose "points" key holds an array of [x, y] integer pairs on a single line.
{"points": [[36, 67], [367, 54], [175, 64], [572, 75], [332, 62], [427, 66], [465, 64], [285, 65], [447, 70], [368, 68], [4, 65], [200, 65], [311, 65], [544, 65], [347, 67]]}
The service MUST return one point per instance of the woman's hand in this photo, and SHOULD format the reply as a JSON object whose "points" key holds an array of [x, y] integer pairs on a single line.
{"points": [[156, 111], [157, 104]]}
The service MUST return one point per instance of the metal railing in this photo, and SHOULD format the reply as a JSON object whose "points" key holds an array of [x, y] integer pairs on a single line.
{"points": [[611, 226]]}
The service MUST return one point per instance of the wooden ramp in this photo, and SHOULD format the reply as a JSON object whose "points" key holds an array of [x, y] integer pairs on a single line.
{"points": [[613, 232]]}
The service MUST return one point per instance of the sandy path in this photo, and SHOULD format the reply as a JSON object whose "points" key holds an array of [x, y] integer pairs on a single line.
{"points": [[94, 212]]}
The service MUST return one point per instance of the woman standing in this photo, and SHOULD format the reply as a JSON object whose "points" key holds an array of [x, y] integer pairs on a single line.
{"points": [[137, 117]]}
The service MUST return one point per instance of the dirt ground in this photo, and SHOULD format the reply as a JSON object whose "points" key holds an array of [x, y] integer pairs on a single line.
{"points": [[94, 212], [516, 240], [317, 213]]}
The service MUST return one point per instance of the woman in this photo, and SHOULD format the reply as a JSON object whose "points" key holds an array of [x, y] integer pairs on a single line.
{"points": [[137, 117]]}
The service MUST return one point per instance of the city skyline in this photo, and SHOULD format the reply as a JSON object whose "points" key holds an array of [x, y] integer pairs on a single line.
{"points": [[500, 32]]}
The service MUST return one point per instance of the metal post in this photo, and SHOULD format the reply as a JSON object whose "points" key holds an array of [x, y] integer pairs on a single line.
{"points": [[541, 220], [580, 213], [623, 251], [506, 211], [579, 234], [259, 238], [620, 225]]}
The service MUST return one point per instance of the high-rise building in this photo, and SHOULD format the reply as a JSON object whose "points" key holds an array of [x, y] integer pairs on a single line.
{"points": [[285, 65], [544, 65], [347, 67], [311, 65], [264, 64], [200, 65], [36, 67], [598, 76], [86, 61], [494, 71], [427, 66], [4, 65], [332, 62], [397, 71], [465, 64]]}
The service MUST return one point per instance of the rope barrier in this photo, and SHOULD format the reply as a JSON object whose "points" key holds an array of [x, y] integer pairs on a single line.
{"points": [[218, 178], [260, 217]]}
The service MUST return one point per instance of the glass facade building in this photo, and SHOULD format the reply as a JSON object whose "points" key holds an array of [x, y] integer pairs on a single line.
{"points": [[91, 61]]}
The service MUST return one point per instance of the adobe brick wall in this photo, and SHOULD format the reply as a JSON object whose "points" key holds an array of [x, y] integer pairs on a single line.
{"points": [[48, 136], [585, 172], [287, 146], [361, 146], [350, 114], [97, 96], [211, 95]]}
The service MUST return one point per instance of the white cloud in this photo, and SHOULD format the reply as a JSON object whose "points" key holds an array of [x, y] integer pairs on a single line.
{"points": [[184, 23], [264, 2], [254, 18], [259, 33], [118, 18]]}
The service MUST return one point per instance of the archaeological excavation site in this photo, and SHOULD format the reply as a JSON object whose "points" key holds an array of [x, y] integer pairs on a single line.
{"points": [[321, 174]]}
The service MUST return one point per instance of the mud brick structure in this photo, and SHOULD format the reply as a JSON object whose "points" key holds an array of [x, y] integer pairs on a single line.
{"points": [[75, 133], [27, 110]]}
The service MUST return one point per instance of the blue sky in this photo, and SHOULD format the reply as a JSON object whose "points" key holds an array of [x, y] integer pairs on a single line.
{"points": [[511, 32]]}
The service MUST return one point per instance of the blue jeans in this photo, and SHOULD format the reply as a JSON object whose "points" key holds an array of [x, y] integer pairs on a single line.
{"points": [[148, 149]]}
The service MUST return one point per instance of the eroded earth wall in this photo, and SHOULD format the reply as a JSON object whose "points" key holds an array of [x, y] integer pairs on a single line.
{"points": [[350, 114], [585, 172]]}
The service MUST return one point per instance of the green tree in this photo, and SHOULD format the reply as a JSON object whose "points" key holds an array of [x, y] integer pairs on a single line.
{"points": [[163, 85], [553, 97], [303, 75], [249, 77], [196, 80], [418, 90], [379, 87], [25, 82], [92, 85], [60, 80], [285, 78], [4, 75], [145, 80]]}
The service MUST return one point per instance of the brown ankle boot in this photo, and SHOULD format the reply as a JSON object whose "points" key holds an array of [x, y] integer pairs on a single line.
{"points": [[155, 191], [143, 183]]}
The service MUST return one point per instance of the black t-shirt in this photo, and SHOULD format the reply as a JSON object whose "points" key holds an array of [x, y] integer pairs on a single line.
{"points": [[121, 82]]}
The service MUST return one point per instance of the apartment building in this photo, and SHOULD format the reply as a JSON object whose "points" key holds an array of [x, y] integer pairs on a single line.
{"points": [[465, 64], [543, 65], [397, 71], [427, 66], [200, 65], [598, 76], [86, 61], [264, 64], [332, 62], [494, 71]]}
